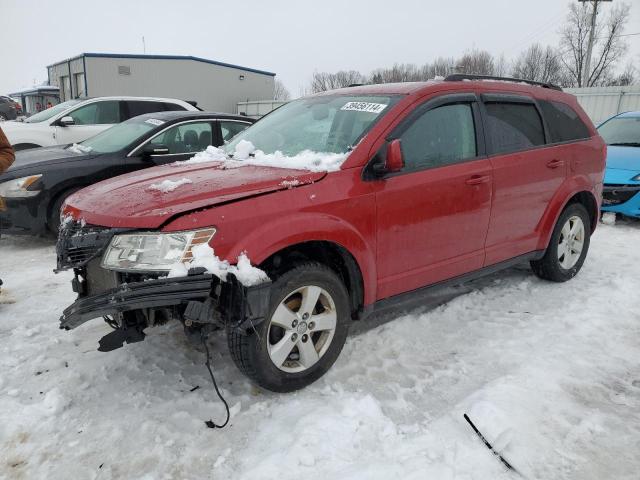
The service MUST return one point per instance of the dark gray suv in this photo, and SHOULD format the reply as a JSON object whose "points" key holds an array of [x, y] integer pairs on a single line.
{"points": [[7, 109]]}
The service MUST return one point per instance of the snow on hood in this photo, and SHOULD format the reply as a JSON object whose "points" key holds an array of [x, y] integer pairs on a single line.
{"points": [[247, 154], [129, 201]]}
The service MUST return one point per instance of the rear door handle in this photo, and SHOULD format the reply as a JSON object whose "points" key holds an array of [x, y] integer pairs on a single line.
{"points": [[478, 179], [555, 163]]}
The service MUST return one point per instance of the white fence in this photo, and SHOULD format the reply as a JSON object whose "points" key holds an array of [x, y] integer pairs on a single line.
{"points": [[601, 103], [257, 109]]}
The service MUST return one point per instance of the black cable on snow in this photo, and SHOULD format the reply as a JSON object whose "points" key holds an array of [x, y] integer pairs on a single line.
{"points": [[210, 423]]}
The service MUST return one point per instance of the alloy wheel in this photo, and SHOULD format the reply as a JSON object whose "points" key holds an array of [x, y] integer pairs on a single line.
{"points": [[301, 329], [571, 242]]}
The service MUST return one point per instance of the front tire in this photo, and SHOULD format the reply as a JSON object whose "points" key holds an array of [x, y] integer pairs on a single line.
{"points": [[568, 246], [303, 333]]}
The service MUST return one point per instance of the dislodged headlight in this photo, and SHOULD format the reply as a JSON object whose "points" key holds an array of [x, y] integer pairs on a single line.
{"points": [[152, 251], [20, 187]]}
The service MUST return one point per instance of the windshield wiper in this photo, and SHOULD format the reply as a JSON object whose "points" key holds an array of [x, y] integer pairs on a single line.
{"points": [[625, 144]]}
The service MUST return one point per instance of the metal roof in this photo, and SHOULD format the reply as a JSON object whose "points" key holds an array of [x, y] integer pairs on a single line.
{"points": [[163, 57]]}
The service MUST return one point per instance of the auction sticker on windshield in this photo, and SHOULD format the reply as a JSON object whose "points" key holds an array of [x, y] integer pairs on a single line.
{"points": [[154, 121], [364, 107]]}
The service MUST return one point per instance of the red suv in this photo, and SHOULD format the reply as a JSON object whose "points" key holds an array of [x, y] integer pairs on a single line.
{"points": [[332, 207]]}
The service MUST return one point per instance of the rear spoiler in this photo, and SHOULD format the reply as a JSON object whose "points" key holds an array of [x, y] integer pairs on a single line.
{"points": [[193, 103]]}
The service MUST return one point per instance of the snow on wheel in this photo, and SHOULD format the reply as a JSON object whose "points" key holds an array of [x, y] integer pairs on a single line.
{"points": [[303, 334]]}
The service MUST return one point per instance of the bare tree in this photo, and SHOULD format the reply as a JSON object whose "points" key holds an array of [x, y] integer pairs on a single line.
{"points": [[477, 62], [608, 45], [280, 92], [440, 67], [539, 64], [323, 81], [400, 72], [629, 76]]}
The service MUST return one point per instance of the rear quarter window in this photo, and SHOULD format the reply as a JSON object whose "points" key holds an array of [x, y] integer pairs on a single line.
{"points": [[564, 123], [514, 126]]}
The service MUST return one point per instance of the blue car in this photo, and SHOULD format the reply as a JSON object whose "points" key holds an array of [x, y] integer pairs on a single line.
{"points": [[622, 176]]}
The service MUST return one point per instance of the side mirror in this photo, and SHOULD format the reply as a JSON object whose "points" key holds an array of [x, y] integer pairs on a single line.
{"points": [[393, 161], [150, 150], [66, 121]]}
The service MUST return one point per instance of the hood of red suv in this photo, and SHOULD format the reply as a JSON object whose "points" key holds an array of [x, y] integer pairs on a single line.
{"points": [[142, 200]]}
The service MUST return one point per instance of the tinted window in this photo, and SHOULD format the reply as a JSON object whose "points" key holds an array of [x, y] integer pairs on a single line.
{"points": [[172, 107], [563, 122], [514, 126], [231, 129], [439, 137], [140, 108], [186, 138], [97, 113]]}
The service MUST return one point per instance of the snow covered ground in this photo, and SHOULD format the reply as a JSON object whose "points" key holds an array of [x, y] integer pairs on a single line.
{"points": [[550, 374]]}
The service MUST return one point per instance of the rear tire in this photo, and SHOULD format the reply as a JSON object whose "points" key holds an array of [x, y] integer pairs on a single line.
{"points": [[303, 334], [568, 246]]}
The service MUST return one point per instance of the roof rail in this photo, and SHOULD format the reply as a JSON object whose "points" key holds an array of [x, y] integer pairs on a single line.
{"points": [[355, 85], [458, 77]]}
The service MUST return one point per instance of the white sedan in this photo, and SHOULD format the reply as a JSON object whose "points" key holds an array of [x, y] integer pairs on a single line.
{"points": [[76, 120]]}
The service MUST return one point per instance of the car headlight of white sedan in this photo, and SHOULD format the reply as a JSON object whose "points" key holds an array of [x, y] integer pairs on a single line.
{"points": [[20, 187], [156, 252]]}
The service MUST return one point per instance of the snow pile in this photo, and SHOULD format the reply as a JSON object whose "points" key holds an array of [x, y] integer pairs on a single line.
{"points": [[77, 148], [609, 218], [549, 373], [204, 257], [167, 186], [246, 154]]}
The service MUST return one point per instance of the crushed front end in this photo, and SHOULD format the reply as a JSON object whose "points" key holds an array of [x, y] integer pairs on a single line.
{"points": [[131, 301]]}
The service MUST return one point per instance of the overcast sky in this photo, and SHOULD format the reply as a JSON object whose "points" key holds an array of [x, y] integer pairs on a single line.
{"points": [[290, 37]]}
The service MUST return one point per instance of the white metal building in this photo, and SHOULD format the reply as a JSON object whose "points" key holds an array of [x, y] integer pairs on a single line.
{"points": [[216, 86], [601, 103]]}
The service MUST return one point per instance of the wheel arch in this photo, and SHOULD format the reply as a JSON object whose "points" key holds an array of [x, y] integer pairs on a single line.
{"points": [[331, 254], [575, 192]]}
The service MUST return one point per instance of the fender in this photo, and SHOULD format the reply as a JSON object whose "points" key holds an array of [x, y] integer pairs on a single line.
{"points": [[276, 235], [570, 187]]}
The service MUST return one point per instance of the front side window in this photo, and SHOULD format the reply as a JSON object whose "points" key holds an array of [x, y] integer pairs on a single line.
{"points": [[441, 136], [564, 123], [231, 129], [321, 124], [622, 131], [97, 113], [186, 138], [119, 137], [514, 126]]}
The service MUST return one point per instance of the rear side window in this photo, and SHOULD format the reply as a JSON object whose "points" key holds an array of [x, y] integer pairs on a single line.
{"points": [[141, 107], [564, 123], [172, 107], [514, 126], [441, 136]]}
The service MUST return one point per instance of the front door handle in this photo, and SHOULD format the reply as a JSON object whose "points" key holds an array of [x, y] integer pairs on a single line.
{"points": [[555, 163], [478, 180]]}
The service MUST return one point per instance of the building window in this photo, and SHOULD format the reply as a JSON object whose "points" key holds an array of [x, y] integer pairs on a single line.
{"points": [[65, 88], [79, 85]]}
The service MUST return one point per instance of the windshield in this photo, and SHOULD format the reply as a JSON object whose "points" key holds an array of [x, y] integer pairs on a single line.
{"points": [[119, 136], [621, 131], [51, 112], [324, 124]]}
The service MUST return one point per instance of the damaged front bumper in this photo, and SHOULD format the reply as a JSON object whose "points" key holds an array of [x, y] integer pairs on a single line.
{"points": [[199, 298]]}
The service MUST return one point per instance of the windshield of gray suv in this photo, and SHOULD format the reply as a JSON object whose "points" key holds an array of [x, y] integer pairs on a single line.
{"points": [[322, 124], [624, 131], [118, 137], [51, 112]]}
